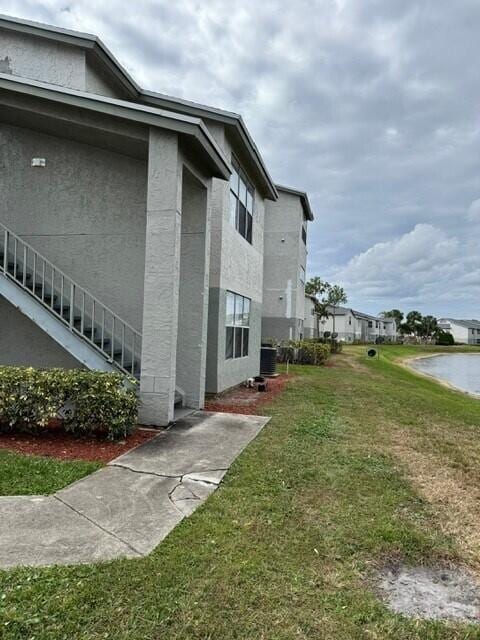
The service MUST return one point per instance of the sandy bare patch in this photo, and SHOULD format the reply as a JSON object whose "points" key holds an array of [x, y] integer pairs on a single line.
{"points": [[432, 593]]}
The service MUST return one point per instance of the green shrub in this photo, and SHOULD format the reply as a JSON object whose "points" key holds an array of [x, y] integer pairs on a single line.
{"points": [[444, 338], [336, 346], [88, 401], [304, 352]]}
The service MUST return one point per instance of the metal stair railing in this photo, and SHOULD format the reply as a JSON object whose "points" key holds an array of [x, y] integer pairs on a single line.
{"points": [[73, 305]]}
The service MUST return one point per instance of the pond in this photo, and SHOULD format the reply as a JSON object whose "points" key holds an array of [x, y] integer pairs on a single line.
{"points": [[461, 370]]}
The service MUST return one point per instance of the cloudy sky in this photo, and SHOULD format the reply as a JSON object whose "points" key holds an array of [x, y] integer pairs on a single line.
{"points": [[372, 106]]}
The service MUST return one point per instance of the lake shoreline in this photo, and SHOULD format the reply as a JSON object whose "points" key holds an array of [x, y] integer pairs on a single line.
{"points": [[408, 364]]}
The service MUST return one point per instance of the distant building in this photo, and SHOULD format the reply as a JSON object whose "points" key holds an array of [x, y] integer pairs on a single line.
{"points": [[310, 323], [356, 326], [284, 264], [463, 331]]}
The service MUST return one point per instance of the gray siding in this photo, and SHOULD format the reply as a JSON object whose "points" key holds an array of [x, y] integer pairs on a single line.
{"points": [[23, 343], [280, 328], [285, 253], [97, 81], [42, 59], [85, 211], [222, 373], [57, 63], [235, 265]]}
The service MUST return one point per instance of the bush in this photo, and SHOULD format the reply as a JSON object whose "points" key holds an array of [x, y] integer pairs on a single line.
{"points": [[444, 338], [304, 352], [336, 346], [88, 401]]}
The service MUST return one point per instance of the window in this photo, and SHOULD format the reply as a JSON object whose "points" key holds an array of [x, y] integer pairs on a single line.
{"points": [[302, 275], [350, 320], [237, 326], [304, 232], [370, 324], [241, 202]]}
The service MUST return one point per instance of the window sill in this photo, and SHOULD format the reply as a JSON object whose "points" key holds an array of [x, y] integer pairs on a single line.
{"points": [[236, 359]]}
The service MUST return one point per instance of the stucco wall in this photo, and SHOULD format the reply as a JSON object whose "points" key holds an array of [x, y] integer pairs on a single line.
{"points": [[285, 253], [281, 328], [310, 324], [97, 81], [235, 265], [460, 334], [23, 343], [45, 60], [42, 59], [85, 211]]}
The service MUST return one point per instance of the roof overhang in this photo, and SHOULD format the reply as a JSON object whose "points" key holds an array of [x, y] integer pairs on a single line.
{"points": [[85, 41], [108, 61], [232, 120], [132, 112], [303, 198]]}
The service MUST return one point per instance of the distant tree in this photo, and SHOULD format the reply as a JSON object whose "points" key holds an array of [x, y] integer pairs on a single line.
{"points": [[317, 288], [404, 329], [428, 327], [396, 314], [414, 322], [327, 297], [444, 338], [335, 297]]}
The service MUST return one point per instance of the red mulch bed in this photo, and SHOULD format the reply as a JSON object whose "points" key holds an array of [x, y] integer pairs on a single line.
{"points": [[56, 443], [65, 446], [248, 401]]}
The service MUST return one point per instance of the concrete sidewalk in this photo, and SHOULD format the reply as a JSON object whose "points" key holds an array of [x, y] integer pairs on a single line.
{"points": [[127, 508]]}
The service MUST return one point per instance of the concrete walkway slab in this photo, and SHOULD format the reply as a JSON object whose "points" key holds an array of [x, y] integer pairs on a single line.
{"points": [[203, 444], [135, 507], [40, 530], [127, 508]]}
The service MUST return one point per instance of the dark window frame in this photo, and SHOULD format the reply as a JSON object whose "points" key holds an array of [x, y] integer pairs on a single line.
{"points": [[242, 202], [302, 275], [304, 232], [237, 326]]}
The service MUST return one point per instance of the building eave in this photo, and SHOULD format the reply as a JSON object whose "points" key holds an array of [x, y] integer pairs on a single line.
{"points": [[85, 41], [123, 109], [92, 43], [303, 198], [228, 118]]}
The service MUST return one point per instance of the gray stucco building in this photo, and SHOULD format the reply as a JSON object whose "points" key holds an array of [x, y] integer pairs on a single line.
{"points": [[284, 264], [131, 224]]}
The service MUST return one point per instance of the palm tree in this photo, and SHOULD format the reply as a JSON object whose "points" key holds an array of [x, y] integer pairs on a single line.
{"points": [[414, 321], [429, 327]]}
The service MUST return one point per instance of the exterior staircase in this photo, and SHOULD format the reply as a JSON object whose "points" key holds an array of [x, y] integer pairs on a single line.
{"points": [[73, 317]]}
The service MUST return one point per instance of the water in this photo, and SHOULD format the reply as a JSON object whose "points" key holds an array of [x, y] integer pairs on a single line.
{"points": [[459, 369]]}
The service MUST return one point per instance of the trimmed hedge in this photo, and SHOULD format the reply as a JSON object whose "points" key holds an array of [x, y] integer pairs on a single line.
{"points": [[87, 401], [304, 352], [445, 338]]}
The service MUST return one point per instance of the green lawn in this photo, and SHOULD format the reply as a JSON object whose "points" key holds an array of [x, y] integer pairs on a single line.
{"points": [[29, 475], [347, 477]]}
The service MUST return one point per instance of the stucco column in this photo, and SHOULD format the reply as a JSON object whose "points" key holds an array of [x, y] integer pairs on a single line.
{"points": [[161, 283], [193, 300]]}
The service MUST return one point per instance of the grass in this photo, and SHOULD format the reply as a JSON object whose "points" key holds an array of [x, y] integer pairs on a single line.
{"points": [[30, 475], [288, 547]]}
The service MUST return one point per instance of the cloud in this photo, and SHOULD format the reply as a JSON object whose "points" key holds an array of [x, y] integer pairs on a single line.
{"points": [[474, 211], [372, 107], [424, 268]]}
